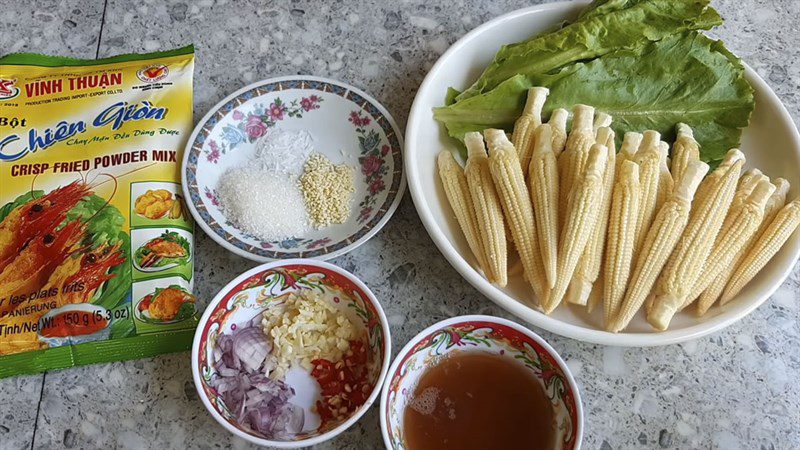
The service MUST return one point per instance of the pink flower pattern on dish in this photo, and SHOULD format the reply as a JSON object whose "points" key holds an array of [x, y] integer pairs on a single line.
{"points": [[309, 103], [250, 126], [364, 214], [212, 195], [318, 243], [373, 162], [276, 110], [376, 186], [255, 128], [358, 120], [212, 155]]}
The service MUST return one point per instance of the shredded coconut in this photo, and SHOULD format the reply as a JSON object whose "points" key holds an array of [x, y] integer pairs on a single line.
{"points": [[309, 328], [284, 151], [327, 190], [266, 205]]}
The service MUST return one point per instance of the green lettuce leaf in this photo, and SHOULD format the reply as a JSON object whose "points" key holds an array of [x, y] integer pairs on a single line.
{"points": [[600, 7], [684, 78], [450, 97], [104, 226], [114, 292], [498, 108], [106, 219], [21, 200], [610, 26], [185, 311]]}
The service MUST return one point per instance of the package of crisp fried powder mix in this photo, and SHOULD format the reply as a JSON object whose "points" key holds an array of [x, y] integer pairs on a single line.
{"points": [[96, 247]]}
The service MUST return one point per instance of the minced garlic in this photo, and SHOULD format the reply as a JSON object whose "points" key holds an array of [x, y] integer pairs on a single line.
{"points": [[327, 189], [309, 328]]}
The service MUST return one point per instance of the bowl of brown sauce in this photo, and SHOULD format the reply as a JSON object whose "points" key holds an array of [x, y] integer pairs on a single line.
{"points": [[480, 382]]}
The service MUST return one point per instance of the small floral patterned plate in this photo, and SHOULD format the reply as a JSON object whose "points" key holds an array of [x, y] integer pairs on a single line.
{"points": [[481, 334], [347, 126]]}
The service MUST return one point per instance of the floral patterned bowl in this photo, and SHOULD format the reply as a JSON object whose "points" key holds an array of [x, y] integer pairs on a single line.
{"points": [[347, 126], [262, 290], [486, 334]]}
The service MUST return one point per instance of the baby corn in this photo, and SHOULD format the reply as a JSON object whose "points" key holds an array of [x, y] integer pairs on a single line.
{"points": [[711, 180], [776, 234], [457, 193], [601, 120], [630, 145], [581, 216], [774, 204], [573, 161], [558, 124], [596, 296], [740, 225], [747, 183], [527, 123], [543, 180], [684, 152], [665, 180], [621, 231], [648, 302], [685, 265], [488, 212], [648, 158], [589, 265], [514, 196], [666, 231], [605, 136]]}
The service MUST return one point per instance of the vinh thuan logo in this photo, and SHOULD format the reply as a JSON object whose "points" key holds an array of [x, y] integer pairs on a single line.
{"points": [[7, 89], [153, 74]]}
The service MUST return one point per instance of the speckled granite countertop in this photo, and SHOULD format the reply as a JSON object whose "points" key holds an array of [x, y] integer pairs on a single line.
{"points": [[733, 390]]}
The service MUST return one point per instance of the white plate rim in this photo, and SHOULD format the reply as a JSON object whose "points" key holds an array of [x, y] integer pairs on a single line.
{"points": [[323, 257], [530, 315]]}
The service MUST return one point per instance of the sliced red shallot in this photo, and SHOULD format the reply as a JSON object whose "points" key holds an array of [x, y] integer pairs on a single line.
{"points": [[242, 363]]}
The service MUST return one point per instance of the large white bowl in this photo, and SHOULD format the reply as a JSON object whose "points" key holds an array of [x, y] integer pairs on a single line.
{"points": [[771, 143]]}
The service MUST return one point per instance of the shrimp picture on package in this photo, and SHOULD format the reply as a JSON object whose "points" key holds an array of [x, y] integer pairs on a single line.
{"points": [[83, 145]]}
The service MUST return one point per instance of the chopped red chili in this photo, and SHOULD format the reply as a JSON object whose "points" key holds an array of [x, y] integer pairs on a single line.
{"points": [[345, 384]]}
